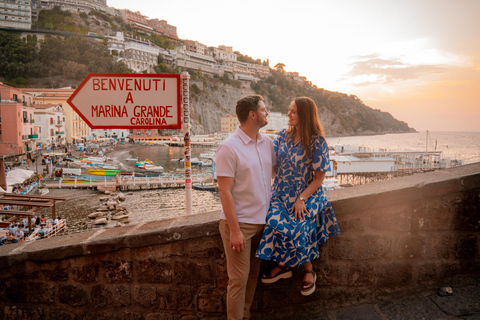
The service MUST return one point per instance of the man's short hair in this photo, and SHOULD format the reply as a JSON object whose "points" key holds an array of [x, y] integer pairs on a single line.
{"points": [[245, 105]]}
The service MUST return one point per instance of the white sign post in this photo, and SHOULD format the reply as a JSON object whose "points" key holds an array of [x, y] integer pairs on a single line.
{"points": [[186, 140]]}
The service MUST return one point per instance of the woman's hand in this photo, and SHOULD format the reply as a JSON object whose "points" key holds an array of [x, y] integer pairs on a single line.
{"points": [[300, 209]]}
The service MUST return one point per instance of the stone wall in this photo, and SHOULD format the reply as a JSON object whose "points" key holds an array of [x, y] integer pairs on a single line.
{"points": [[398, 236]]}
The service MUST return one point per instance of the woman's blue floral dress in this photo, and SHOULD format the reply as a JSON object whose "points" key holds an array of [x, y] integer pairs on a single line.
{"points": [[285, 239]]}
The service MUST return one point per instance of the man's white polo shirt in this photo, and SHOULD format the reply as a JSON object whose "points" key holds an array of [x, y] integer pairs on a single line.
{"points": [[250, 163]]}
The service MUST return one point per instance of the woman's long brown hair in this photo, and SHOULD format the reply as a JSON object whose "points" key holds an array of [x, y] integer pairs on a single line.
{"points": [[310, 125]]}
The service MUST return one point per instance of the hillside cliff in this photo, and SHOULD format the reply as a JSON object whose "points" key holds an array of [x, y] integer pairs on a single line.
{"points": [[28, 63], [341, 114]]}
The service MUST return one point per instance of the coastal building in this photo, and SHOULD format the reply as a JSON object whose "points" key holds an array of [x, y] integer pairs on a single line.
{"points": [[18, 134], [133, 18], [116, 134], [363, 164], [224, 53], [276, 122], [50, 120], [189, 59], [138, 55], [162, 27], [75, 127], [229, 123], [16, 14], [197, 47], [296, 76], [72, 6], [137, 21]]}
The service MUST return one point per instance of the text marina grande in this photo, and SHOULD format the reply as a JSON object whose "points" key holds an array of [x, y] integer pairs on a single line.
{"points": [[141, 115]]}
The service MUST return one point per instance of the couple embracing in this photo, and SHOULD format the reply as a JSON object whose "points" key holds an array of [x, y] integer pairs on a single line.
{"points": [[285, 222]]}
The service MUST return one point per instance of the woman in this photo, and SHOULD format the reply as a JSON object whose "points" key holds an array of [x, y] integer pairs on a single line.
{"points": [[300, 216]]}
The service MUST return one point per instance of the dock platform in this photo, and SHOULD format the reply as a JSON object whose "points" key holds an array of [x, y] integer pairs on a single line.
{"points": [[124, 183]]}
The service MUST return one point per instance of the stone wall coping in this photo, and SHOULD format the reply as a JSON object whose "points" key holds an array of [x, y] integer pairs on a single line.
{"points": [[363, 197]]}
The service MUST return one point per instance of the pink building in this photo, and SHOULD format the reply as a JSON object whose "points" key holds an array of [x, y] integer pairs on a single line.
{"points": [[18, 134]]}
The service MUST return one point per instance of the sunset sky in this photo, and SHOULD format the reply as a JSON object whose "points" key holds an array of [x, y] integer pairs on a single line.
{"points": [[417, 59]]}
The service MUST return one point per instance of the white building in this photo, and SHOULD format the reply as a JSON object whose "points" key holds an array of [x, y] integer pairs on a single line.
{"points": [[74, 5], [138, 55], [50, 120], [353, 164], [224, 53], [118, 134], [276, 122], [193, 60], [16, 14]]}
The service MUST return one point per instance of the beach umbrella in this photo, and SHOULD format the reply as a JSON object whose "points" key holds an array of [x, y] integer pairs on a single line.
{"points": [[20, 173], [14, 180]]}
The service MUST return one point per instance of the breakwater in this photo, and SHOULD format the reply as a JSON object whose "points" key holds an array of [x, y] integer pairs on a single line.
{"points": [[401, 235]]}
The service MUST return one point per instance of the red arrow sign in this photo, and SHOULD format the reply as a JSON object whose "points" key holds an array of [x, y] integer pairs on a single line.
{"points": [[124, 101]]}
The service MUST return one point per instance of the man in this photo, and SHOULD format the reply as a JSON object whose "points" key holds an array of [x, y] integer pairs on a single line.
{"points": [[244, 174]]}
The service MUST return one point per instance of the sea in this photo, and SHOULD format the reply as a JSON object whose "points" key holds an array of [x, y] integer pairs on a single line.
{"points": [[462, 146], [149, 205]]}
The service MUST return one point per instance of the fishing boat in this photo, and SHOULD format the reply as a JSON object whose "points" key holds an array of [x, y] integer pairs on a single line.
{"points": [[103, 172]]}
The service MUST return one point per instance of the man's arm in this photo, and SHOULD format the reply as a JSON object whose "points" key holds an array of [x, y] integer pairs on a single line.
{"points": [[225, 187]]}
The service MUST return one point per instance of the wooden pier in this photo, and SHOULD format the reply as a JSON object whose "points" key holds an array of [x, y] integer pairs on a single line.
{"points": [[124, 183]]}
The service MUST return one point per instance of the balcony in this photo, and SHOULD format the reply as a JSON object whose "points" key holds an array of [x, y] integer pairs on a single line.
{"points": [[24, 137], [60, 132], [33, 136], [32, 121], [25, 120]]}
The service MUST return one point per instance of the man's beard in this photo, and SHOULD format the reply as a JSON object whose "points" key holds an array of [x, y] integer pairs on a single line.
{"points": [[263, 123]]}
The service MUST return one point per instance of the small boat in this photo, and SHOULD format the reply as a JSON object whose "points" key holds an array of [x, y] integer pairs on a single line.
{"points": [[103, 172], [193, 161], [132, 159], [206, 187], [207, 163], [141, 163], [153, 168], [72, 171], [94, 159]]}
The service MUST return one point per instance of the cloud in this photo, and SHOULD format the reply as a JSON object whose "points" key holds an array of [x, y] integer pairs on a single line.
{"points": [[385, 71]]}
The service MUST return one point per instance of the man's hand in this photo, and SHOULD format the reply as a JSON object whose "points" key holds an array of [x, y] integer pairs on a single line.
{"points": [[237, 240]]}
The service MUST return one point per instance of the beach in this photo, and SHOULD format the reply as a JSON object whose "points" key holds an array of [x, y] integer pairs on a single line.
{"points": [[142, 205]]}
